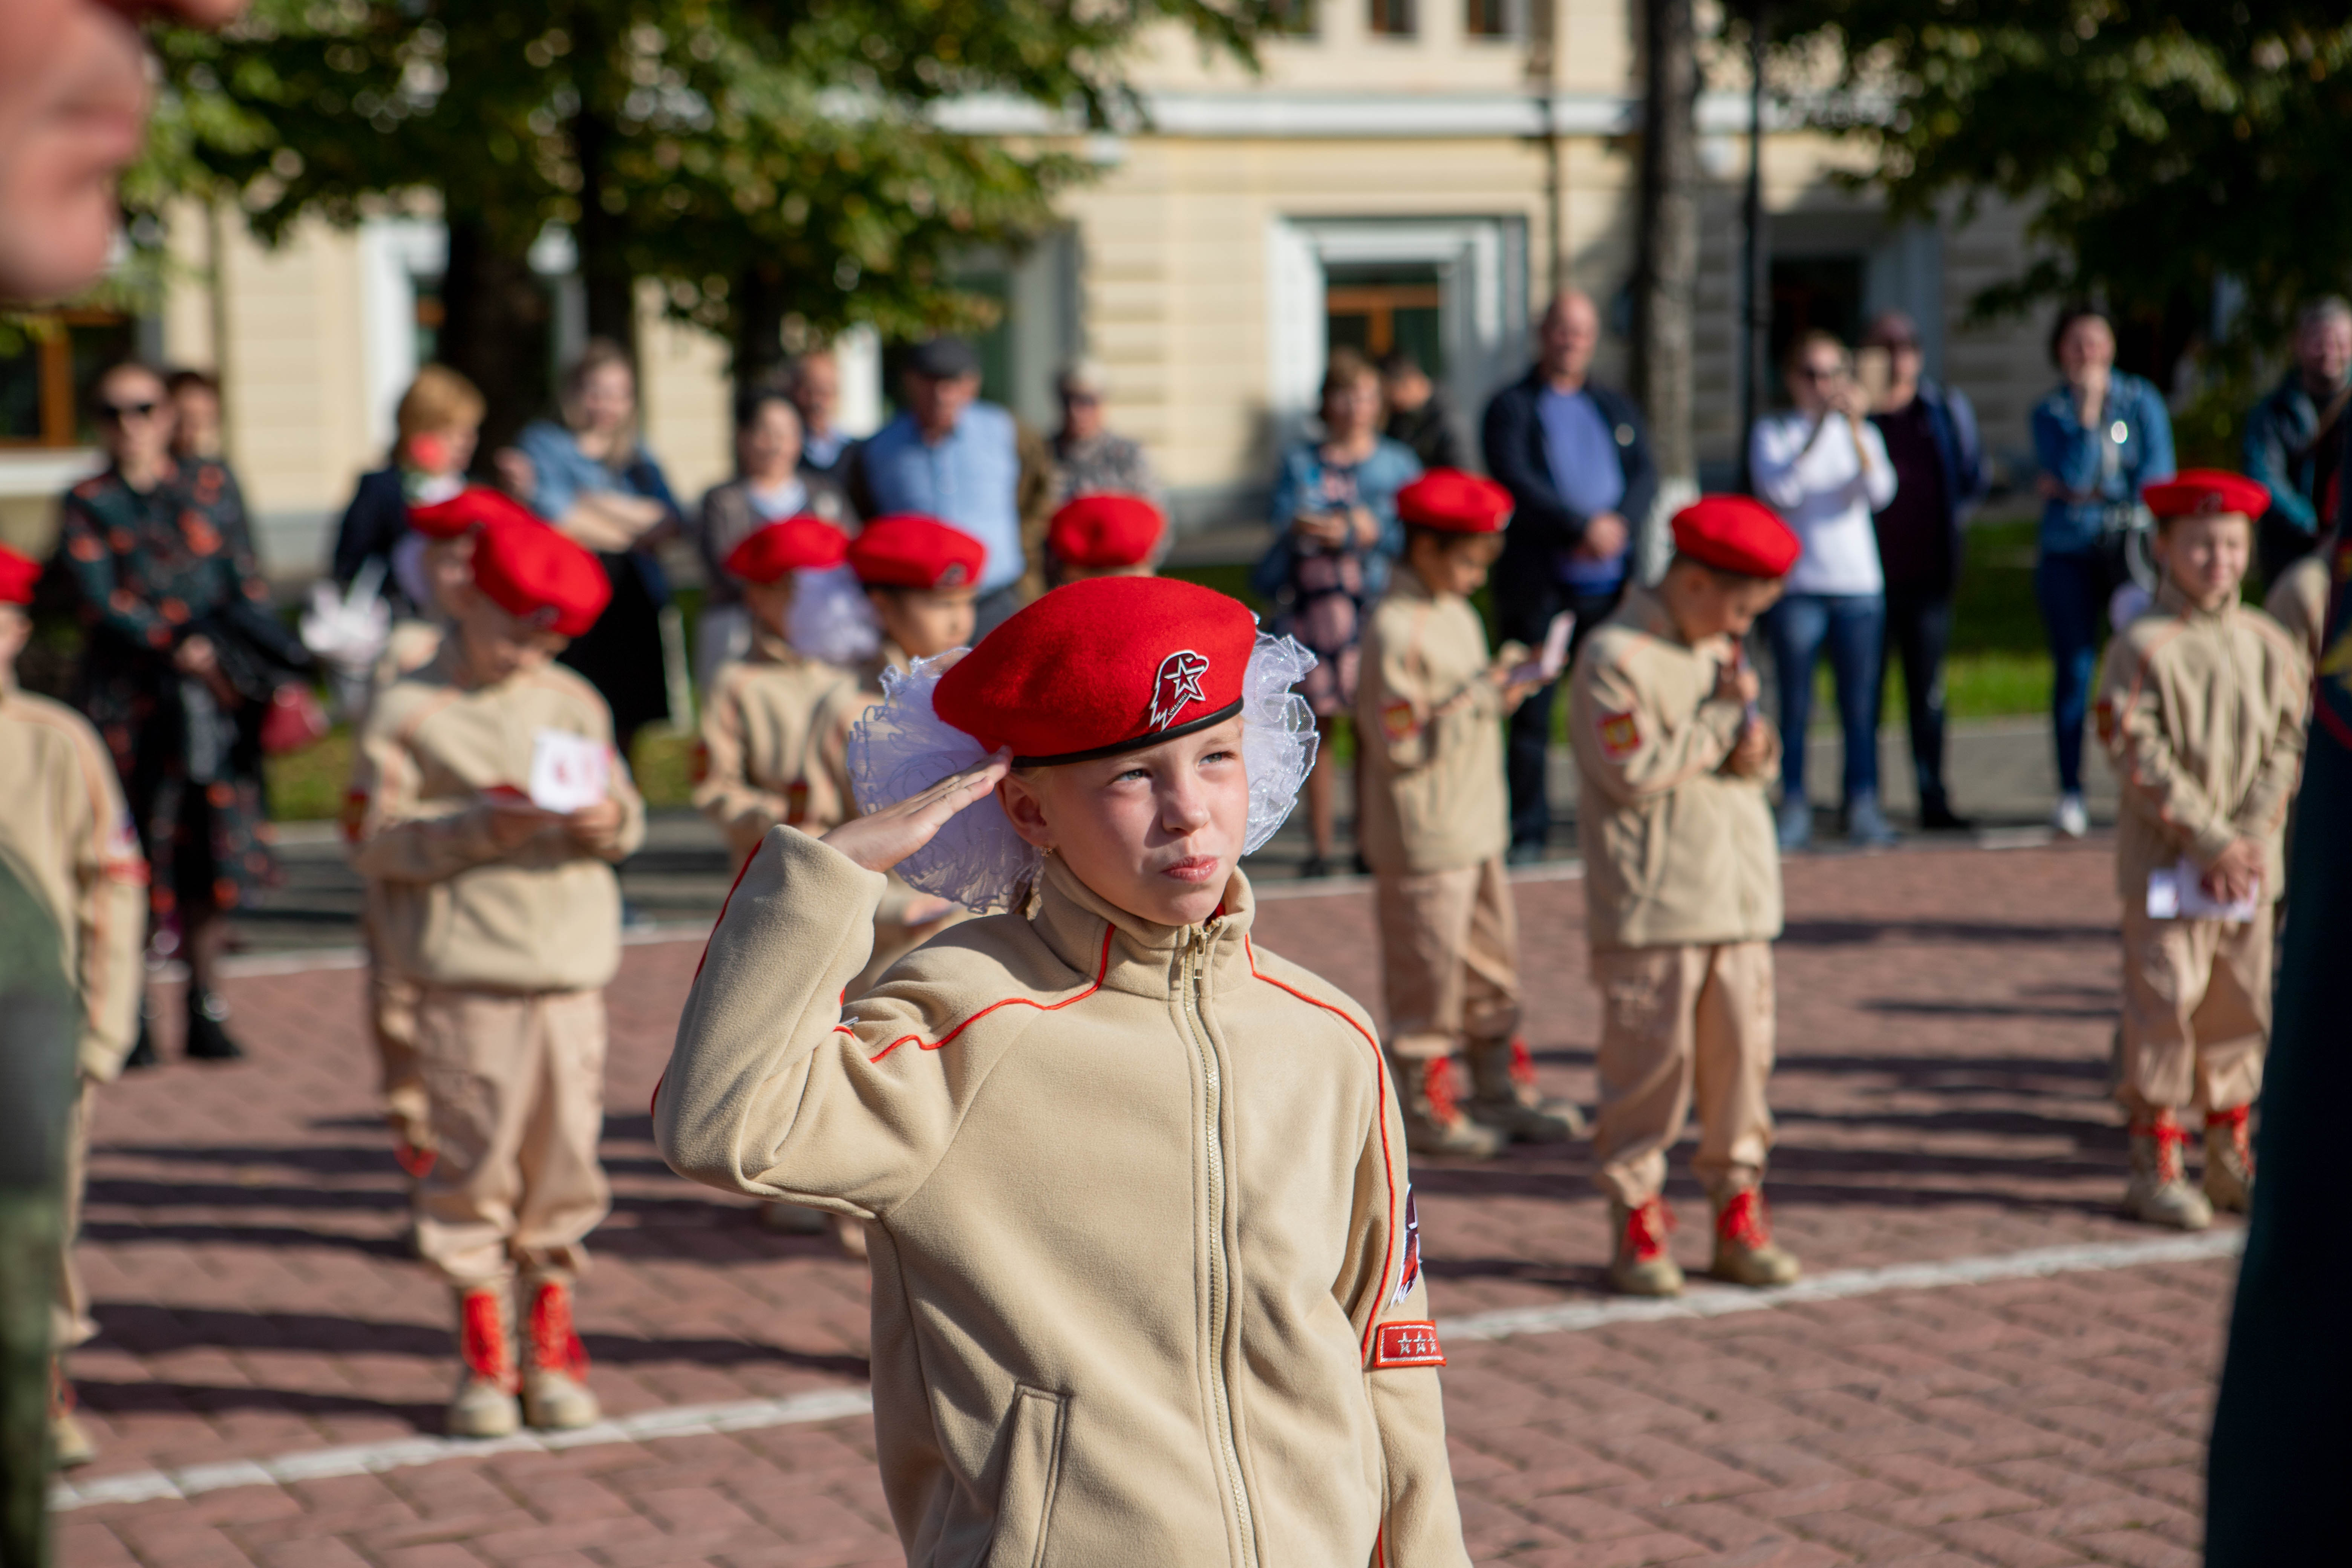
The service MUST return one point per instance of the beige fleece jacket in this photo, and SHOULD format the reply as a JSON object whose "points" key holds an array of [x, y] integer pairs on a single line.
{"points": [[1429, 730], [453, 910], [1146, 1278], [2201, 711], [1677, 849], [763, 755]]}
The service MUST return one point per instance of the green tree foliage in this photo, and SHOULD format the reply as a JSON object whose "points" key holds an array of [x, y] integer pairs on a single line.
{"points": [[2164, 145], [770, 161]]}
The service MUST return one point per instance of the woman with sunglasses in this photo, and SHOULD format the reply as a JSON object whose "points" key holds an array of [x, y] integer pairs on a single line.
{"points": [[1823, 466], [182, 655]]}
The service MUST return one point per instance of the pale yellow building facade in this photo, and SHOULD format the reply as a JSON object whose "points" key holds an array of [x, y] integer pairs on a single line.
{"points": [[1395, 178]]}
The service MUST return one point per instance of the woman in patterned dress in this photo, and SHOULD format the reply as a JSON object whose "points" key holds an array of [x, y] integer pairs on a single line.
{"points": [[182, 654]]}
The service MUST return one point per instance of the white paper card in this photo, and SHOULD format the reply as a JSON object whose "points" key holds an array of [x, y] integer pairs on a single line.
{"points": [[2178, 893], [567, 771], [1546, 665]]}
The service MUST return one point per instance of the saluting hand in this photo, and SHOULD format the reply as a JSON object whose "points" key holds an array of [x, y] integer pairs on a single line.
{"points": [[880, 840]]}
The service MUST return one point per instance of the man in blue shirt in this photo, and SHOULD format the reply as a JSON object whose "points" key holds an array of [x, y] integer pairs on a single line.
{"points": [[967, 463], [1575, 459]]}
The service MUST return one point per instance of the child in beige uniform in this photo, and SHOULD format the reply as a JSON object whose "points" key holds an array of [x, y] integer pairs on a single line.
{"points": [[2201, 710], [1430, 705], [1682, 884], [507, 918], [1147, 1281], [67, 839]]}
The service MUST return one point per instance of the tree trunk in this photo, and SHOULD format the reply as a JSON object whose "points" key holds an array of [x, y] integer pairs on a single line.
{"points": [[759, 305], [604, 275], [495, 329], [1665, 277]]}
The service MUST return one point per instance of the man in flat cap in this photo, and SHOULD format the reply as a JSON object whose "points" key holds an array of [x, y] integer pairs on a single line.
{"points": [[969, 463]]}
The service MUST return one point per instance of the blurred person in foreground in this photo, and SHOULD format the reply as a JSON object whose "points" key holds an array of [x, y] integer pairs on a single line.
{"points": [[2295, 437], [770, 484], [1575, 455], [1930, 433], [1823, 467], [68, 834], [969, 464], [2275, 1490], [591, 477], [74, 95], [1089, 457], [2201, 710], [1336, 538], [2100, 437], [1418, 415]]}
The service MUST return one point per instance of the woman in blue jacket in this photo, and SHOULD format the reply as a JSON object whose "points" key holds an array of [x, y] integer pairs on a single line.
{"points": [[2100, 436]]}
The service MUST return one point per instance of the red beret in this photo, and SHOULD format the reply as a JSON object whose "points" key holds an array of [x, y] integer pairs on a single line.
{"points": [[18, 575], [2198, 491], [1451, 502], [1105, 530], [529, 570], [1102, 666], [1736, 533], [910, 551], [476, 505], [796, 544]]}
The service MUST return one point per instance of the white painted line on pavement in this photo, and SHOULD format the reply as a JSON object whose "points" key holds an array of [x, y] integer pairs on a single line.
{"points": [[372, 1458], [1844, 1285], [752, 1415]]}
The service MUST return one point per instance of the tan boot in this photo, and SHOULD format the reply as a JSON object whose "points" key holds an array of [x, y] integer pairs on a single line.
{"points": [[555, 1395], [1640, 1265], [2229, 1160], [1503, 1095], [483, 1406], [70, 1442], [2159, 1193], [1744, 1252], [1434, 1122]]}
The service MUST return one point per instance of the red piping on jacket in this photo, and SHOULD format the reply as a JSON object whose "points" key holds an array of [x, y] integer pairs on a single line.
{"points": [[1388, 1164], [1101, 969]]}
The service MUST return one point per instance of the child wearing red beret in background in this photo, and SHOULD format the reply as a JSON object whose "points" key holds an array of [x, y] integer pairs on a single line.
{"points": [[1104, 536], [1429, 711], [1147, 1286], [67, 841], [2201, 710], [491, 806], [435, 564], [1682, 886]]}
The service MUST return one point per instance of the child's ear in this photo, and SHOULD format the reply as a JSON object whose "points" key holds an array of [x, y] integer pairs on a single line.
{"points": [[1024, 810]]}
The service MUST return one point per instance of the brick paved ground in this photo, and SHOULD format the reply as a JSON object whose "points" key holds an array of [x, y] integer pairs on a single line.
{"points": [[1945, 1018]]}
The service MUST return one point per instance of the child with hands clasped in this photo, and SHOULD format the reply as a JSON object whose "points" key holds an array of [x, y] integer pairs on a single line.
{"points": [[2201, 710], [1429, 707], [506, 917], [1147, 1283], [1682, 884]]}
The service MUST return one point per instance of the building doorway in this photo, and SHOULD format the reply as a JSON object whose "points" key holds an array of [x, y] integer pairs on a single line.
{"points": [[1380, 311]]}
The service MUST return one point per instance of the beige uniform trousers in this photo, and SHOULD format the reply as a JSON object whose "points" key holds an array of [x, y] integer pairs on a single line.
{"points": [[391, 1020], [517, 1102], [1678, 1022], [1449, 958], [2196, 1012], [69, 1320]]}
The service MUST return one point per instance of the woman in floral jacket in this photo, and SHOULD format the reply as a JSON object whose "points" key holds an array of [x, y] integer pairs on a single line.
{"points": [[181, 659]]}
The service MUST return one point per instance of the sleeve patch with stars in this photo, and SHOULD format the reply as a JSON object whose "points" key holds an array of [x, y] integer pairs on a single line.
{"points": [[1397, 719], [1406, 1344], [1621, 734]]}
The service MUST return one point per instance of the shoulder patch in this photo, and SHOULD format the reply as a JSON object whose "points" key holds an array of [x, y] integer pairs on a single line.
{"points": [[1397, 719], [1410, 1275], [1406, 1344], [1621, 734]]}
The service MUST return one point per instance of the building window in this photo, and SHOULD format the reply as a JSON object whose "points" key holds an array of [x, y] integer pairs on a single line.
{"points": [[45, 384], [1377, 311], [1392, 18], [1491, 18]]}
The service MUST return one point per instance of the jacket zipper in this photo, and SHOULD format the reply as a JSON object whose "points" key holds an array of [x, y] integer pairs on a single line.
{"points": [[1220, 1265]]}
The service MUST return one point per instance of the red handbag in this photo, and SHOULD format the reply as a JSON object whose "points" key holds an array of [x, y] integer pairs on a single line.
{"points": [[295, 720]]}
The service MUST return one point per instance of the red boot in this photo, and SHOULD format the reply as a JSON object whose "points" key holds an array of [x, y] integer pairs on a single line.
{"points": [[555, 1395]]}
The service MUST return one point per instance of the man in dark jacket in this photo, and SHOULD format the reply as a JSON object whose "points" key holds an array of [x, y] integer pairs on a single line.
{"points": [[2295, 437], [1575, 459], [1930, 432], [1418, 413]]}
